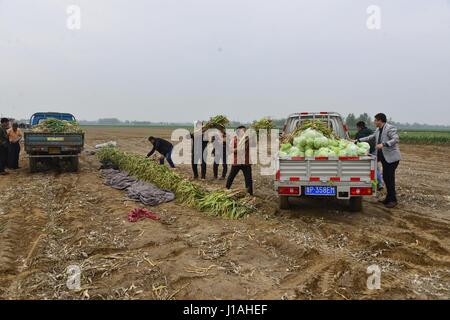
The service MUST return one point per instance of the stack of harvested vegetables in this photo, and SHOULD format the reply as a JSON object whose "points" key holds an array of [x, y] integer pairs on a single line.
{"points": [[263, 124], [218, 203], [57, 126], [217, 122], [315, 139]]}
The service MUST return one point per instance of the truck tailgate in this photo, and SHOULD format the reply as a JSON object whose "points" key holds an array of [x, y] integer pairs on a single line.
{"points": [[46, 139], [327, 169]]}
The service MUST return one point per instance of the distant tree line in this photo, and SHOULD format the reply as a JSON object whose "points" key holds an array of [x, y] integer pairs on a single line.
{"points": [[118, 122], [351, 120]]}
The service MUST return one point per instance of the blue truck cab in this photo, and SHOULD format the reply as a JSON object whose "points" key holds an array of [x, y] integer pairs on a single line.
{"points": [[38, 117], [44, 147]]}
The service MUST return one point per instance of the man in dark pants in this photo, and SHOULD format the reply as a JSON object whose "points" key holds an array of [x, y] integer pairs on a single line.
{"points": [[14, 136], [164, 147], [388, 152], [220, 154], [363, 131], [198, 148], [241, 164], [4, 144]]}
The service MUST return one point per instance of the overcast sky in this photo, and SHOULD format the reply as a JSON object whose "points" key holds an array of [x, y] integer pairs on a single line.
{"points": [[181, 60]]}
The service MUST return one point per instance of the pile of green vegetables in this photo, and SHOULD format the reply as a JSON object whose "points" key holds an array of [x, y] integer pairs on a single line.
{"points": [[57, 126], [217, 203], [315, 139], [263, 124], [218, 122]]}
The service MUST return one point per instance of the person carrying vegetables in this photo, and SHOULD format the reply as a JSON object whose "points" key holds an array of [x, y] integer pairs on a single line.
{"points": [[363, 131], [199, 144], [220, 154], [164, 147], [388, 153], [241, 164]]}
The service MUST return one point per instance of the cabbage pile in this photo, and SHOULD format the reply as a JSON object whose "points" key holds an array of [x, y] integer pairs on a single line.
{"points": [[313, 143]]}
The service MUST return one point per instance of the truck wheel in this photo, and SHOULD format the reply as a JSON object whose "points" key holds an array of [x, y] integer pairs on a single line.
{"points": [[283, 202], [74, 164], [355, 204], [33, 165]]}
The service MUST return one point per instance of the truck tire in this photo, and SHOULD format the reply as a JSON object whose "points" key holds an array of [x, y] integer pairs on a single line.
{"points": [[355, 204], [33, 164], [74, 162], [283, 202]]}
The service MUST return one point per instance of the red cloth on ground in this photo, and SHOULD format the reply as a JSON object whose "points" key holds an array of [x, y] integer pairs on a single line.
{"points": [[138, 213]]}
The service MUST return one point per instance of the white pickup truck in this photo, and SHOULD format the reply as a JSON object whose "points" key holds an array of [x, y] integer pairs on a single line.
{"points": [[348, 178]]}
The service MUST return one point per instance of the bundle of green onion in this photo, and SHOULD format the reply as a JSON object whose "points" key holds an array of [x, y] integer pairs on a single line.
{"points": [[263, 124], [57, 126], [217, 203], [218, 122]]}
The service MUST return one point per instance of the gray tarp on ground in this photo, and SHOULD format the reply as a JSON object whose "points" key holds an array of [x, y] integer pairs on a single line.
{"points": [[148, 194], [117, 179], [144, 192]]}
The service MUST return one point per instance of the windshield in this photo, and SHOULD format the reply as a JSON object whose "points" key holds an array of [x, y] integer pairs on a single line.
{"points": [[39, 117]]}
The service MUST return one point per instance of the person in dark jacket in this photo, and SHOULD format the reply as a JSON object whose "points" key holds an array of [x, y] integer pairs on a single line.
{"points": [[363, 132], [198, 146], [220, 154], [164, 147], [239, 164], [4, 145]]}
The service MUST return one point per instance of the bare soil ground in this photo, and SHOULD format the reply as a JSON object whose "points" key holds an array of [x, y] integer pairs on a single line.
{"points": [[316, 250]]}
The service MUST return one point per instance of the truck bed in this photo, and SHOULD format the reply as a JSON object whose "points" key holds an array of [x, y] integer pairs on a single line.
{"points": [[343, 173], [327, 169]]}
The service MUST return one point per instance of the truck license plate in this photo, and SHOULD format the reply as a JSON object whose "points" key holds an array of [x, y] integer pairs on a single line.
{"points": [[320, 191], [53, 150]]}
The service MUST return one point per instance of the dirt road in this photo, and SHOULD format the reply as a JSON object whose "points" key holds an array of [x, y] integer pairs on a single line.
{"points": [[50, 221]]}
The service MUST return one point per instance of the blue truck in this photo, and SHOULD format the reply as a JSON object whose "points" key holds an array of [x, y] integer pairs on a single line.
{"points": [[44, 147]]}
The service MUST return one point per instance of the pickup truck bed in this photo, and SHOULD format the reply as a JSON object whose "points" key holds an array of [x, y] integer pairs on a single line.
{"points": [[349, 177], [350, 169]]}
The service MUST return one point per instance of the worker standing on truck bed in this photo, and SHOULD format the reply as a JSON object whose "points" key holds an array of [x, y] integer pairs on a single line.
{"points": [[14, 136], [388, 152], [4, 143], [241, 164], [164, 147], [363, 131]]}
